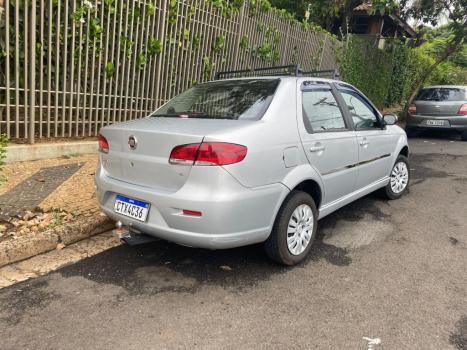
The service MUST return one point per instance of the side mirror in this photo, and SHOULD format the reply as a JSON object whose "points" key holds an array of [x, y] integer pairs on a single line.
{"points": [[390, 118]]}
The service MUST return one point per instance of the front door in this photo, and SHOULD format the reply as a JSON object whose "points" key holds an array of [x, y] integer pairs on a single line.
{"points": [[375, 143], [329, 142]]}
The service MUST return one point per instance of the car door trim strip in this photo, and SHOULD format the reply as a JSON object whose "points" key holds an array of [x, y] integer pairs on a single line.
{"points": [[356, 164]]}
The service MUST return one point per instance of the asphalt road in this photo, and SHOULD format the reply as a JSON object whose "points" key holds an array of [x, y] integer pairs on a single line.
{"points": [[394, 270]]}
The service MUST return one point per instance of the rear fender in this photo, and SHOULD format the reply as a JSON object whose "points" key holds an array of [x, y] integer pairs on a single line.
{"points": [[302, 173]]}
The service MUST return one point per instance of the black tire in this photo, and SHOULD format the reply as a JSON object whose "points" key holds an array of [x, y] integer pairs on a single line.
{"points": [[387, 191], [464, 136], [276, 245]]}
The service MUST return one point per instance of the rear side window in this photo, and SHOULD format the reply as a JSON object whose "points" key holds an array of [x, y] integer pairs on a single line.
{"points": [[441, 94], [230, 99], [321, 111]]}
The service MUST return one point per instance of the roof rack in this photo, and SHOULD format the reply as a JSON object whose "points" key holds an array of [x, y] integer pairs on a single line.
{"points": [[289, 70], [327, 73], [292, 70]]}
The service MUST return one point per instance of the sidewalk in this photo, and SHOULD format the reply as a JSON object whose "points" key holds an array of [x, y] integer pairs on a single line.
{"points": [[47, 204]]}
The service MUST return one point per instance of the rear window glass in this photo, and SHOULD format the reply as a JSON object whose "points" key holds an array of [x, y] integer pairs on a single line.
{"points": [[230, 99], [441, 94]]}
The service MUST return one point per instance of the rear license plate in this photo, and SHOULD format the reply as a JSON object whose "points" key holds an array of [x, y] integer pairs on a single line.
{"points": [[131, 207], [435, 122]]}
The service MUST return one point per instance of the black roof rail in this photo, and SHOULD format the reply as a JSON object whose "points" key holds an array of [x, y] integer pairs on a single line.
{"points": [[327, 73], [292, 70], [288, 70]]}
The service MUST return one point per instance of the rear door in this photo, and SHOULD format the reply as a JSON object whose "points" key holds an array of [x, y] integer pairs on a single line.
{"points": [[328, 140], [375, 143]]}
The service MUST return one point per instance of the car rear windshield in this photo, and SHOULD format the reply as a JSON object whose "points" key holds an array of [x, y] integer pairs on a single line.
{"points": [[441, 94], [230, 99]]}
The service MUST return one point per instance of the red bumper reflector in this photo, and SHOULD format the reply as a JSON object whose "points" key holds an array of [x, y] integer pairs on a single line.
{"points": [[192, 213]]}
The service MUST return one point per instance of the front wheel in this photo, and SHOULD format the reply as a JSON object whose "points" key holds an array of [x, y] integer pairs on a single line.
{"points": [[399, 179], [294, 229]]}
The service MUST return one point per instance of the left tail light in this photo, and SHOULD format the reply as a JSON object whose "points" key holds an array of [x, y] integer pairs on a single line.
{"points": [[103, 144], [208, 153], [463, 110], [413, 109]]}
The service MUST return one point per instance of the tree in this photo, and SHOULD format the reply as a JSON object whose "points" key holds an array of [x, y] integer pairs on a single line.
{"points": [[329, 14], [430, 11]]}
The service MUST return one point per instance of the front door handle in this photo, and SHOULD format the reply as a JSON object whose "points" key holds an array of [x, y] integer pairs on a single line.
{"points": [[364, 142]]}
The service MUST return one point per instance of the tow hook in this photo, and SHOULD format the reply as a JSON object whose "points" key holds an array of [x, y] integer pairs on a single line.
{"points": [[131, 236]]}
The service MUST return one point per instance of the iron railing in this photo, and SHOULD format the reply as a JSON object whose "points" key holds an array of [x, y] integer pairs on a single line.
{"points": [[70, 67]]}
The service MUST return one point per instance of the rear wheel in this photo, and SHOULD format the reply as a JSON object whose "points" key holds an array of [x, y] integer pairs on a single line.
{"points": [[398, 179], [294, 229]]}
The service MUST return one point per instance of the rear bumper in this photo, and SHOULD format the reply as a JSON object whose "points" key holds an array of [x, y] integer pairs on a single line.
{"points": [[233, 215], [457, 122]]}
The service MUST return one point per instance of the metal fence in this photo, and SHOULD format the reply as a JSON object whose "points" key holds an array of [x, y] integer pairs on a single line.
{"points": [[69, 67]]}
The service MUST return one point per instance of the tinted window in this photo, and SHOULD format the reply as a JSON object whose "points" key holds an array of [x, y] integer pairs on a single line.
{"points": [[363, 114], [321, 111], [230, 99], [441, 94]]}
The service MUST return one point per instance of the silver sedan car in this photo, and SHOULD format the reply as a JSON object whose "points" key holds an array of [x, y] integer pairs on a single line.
{"points": [[241, 161], [442, 107]]}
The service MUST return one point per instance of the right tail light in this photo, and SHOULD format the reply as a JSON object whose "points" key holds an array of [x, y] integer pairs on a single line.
{"points": [[208, 153], [463, 110]]}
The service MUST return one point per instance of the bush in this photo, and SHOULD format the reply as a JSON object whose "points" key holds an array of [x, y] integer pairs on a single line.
{"points": [[389, 76], [367, 68]]}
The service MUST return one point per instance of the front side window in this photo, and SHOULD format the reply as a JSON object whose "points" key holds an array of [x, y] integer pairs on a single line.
{"points": [[362, 113], [246, 99], [321, 111]]}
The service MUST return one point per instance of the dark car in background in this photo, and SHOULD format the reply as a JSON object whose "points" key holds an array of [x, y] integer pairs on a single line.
{"points": [[442, 107]]}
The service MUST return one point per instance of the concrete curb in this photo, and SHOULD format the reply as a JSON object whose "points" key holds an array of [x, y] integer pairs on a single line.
{"points": [[22, 153], [24, 247]]}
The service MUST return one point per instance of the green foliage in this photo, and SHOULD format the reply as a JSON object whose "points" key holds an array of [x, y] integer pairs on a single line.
{"points": [[367, 68], [196, 42], [219, 44], [244, 42], [95, 28], [388, 77], [127, 46], [207, 68], [227, 7], [172, 12], [154, 47], [142, 60], [109, 69], [3, 149], [56, 219], [150, 9]]}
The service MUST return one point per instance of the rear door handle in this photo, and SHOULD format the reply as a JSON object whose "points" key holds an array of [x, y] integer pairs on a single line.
{"points": [[317, 148]]}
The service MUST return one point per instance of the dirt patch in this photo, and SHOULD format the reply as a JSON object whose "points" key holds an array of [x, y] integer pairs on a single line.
{"points": [[458, 338]]}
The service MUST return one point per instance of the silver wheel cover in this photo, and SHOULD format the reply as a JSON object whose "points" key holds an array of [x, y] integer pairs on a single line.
{"points": [[399, 177], [300, 229]]}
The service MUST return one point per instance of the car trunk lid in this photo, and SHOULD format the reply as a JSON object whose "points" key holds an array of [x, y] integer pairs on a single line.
{"points": [[147, 163]]}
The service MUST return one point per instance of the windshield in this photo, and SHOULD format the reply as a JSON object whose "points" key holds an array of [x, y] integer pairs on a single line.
{"points": [[441, 94], [230, 99]]}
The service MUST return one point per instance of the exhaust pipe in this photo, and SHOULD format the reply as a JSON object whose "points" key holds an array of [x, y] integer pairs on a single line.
{"points": [[131, 236]]}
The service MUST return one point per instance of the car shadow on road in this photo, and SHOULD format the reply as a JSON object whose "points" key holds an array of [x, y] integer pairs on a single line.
{"points": [[173, 265], [437, 135]]}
